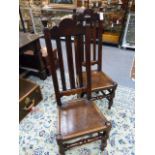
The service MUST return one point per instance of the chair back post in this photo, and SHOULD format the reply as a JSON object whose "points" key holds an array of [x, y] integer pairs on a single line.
{"points": [[99, 33], [53, 68]]}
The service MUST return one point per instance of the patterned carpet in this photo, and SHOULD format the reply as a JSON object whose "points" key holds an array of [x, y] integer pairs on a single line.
{"points": [[37, 130]]}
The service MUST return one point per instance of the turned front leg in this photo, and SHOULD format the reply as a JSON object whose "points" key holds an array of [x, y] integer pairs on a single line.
{"points": [[60, 145], [105, 135], [111, 97]]}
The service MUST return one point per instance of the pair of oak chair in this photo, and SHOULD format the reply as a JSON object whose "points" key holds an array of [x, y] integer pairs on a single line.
{"points": [[79, 120]]}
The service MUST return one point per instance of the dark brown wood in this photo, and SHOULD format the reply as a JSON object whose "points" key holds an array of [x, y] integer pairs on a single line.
{"points": [[79, 117], [100, 81], [81, 124], [83, 141], [52, 64], [70, 61], [60, 145], [30, 42], [88, 64], [100, 31], [56, 33], [29, 96], [91, 122]]}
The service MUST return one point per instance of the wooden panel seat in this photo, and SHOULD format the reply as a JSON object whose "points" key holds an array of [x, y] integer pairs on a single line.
{"points": [[80, 117], [100, 80]]}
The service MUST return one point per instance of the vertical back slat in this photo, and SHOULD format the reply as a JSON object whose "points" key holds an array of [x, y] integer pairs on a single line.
{"points": [[83, 52], [88, 64], [100, 30], [52, 63], [79, 60], [61, 65], [70, 61]]}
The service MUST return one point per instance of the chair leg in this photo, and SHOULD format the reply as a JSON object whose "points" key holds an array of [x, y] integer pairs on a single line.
{"points": [[105, 136], [82, 95], [110, 102], [61, 146], [103, 141], [111, 98], [97, 92]]}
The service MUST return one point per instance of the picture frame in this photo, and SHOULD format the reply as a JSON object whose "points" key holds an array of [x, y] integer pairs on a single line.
{"points": [[63, 4]]}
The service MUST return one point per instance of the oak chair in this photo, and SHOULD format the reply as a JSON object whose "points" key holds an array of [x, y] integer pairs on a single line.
{"points": [[77, 118], [102, 84]]}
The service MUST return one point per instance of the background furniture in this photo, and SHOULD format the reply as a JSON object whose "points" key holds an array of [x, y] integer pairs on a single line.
{"points": [[114, 12], [115, 18], [30, 19], [79, 117], [54, 16], [102, 85], [30, 54], [29, 96]]}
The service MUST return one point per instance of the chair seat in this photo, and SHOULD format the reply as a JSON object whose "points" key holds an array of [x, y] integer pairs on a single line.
{"points": [[78, 118], [100, 80]]}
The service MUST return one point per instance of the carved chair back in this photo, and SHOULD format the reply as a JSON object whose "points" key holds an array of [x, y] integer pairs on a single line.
{"points": [[70, 51], [92, 19]]}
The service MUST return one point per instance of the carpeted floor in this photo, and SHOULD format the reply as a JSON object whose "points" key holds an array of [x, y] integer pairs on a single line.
{"points": [[117, 63], [37, 130]]}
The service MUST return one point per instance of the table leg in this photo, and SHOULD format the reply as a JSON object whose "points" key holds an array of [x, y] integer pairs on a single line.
{"points": [[41, 65]]}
